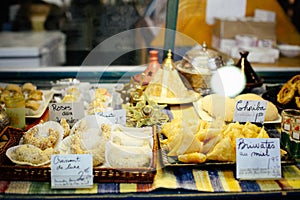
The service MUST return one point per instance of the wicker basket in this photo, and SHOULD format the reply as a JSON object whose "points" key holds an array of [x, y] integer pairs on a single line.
{"points": [[13, 172]]}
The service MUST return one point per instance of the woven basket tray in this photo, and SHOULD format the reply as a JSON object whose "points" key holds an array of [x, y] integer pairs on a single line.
{"points": [[13, 172]]}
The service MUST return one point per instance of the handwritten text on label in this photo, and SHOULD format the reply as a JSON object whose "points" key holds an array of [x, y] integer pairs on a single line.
{"points": [[258, 158]]}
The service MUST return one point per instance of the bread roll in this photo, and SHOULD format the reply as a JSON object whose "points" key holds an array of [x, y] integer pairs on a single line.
{"points": [[27, 87], [219, 106], [248, 96], [13, 88]]}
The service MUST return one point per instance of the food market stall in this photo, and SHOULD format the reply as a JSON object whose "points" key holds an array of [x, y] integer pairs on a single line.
{"points": [[173, 143]]}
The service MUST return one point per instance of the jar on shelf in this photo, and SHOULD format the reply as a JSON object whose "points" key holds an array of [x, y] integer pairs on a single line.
{"points": [[290, 132], [295, 138], [15, 109]]}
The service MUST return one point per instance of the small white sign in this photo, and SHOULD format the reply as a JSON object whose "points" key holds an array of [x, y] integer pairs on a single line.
{"points": [[250, 111], [72, 112], [258, 158], [115, 116], [72, 171]]}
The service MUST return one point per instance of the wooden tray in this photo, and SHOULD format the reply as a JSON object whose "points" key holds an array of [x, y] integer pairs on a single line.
{"points": [[13, 172]]}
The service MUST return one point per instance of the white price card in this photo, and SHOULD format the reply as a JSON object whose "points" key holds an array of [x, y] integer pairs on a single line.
{"points": [[72, 112], [250, 111], [258, 158], [115, 116], [71, 171]]}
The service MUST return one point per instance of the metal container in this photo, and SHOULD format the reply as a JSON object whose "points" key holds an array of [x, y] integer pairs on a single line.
{"points": [[198, 65]]}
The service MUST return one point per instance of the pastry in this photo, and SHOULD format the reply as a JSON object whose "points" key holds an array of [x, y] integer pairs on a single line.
{"points": [[78, 145], [218, 143], [30, 154], [96, 105], [286, 93], [100, 92], [4, 94], [13, 88], [36, 95], [73, 91], [271, 112], [223, 151], [69, 98], [32, 104], [297, 101], [49, 141], [248, 96], [289, 91], [66, 126], [295, 79], [194, 157], [28, 87]]}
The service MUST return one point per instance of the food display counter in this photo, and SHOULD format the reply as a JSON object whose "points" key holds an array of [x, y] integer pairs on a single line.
{"points": [[170, 182], [177, 159]]}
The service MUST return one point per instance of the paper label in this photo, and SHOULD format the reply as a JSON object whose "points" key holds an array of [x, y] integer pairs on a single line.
{"points": [[250, 111], [72, 171], [258, 158], [72, 112], [115, 116]]}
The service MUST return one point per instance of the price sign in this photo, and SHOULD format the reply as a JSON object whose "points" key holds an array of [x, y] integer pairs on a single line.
{"points": [[72, 171], [258, 158], [72, 112], [250, 111], [115, 116]]}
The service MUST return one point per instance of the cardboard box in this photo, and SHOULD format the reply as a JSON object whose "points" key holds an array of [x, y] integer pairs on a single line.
{"points": [[228, 29], [224, 33]]}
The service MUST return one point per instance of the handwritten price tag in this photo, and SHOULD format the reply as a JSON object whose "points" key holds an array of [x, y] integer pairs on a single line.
{"points": [[72, 112], [72, 171], [258, 158], [115, 116], [250, 111]]}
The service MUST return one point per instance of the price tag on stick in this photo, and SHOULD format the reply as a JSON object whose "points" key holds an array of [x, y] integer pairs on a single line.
{"points": [[258, 158]]}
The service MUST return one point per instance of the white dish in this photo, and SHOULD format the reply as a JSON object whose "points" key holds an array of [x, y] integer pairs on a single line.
{"points": [[140, 133], [89, 122], [43, 131], [118, 156], [289, 50], [48, 94], [121, 138], [10, 153]]}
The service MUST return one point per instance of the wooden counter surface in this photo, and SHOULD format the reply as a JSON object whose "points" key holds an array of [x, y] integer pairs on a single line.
{"points": [[281, 62]]}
